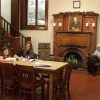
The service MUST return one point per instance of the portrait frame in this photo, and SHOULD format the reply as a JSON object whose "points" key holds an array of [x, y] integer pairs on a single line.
{"points": [[76, 4], [73, 25]]}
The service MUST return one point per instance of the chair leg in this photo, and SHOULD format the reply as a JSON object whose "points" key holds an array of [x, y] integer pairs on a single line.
{"points": [[13, 93], [68, 91], [43, 91], [56, 91], [33, 94], [1, 91], [63, 92], [47, 90], [19, 93]]}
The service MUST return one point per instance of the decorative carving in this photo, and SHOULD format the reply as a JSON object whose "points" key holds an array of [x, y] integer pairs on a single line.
{"points": [[79, 13]]}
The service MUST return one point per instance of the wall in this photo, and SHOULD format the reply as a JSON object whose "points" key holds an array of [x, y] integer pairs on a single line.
{"points": [[55, 6], [6, 9]]}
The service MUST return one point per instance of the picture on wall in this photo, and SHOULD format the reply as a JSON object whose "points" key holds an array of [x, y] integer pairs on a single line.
{"points": [[76, 4], [75, 23]]}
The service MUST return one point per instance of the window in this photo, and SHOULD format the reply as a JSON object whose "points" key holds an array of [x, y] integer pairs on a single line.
{"points": [[34, 14]]}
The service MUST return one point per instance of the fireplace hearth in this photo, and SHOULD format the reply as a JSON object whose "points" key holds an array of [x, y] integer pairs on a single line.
{"points": [[74, 59]]}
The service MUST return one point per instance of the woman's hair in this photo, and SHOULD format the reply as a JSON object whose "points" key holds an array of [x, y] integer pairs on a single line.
{"points": [[28, 42], [31, 49]]}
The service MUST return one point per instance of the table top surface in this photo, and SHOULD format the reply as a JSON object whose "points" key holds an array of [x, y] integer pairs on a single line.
{"points": [[46, 65], [53, 65]]}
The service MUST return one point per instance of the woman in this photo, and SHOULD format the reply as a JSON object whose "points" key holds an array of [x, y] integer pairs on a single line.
{"points": [[26, 52], [97, 51], [93, 60]]}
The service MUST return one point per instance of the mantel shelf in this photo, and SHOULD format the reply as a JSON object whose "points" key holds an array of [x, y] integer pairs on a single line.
{"points": [[74, 33]]}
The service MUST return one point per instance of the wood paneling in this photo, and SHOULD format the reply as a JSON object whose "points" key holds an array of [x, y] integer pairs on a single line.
{"points": [[15, 13], [72, 39], [84, 40]]}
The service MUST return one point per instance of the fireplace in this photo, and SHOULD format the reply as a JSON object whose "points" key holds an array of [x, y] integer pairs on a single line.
{"points": [[76, 45], [76, 42]]}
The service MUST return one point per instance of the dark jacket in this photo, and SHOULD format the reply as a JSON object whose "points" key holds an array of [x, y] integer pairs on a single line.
{"points": [[26, 54]]}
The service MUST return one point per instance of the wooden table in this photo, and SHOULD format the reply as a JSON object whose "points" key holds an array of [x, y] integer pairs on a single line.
{"points": [[55, 66]]}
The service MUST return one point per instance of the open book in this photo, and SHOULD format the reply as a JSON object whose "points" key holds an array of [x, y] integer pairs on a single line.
{"points": [[40, 64]]}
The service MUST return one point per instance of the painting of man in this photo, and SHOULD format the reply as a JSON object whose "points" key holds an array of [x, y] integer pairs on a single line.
{"points": [[75, 23]]}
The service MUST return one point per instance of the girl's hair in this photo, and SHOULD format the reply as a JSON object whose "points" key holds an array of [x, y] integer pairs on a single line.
{"points": [[4, 48]]}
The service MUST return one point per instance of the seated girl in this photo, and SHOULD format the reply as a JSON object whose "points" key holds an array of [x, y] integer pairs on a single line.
{"points": [[5, 55]]}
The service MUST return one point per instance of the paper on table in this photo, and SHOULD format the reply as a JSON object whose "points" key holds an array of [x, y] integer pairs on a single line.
{"points": [[10, 59], [30, 60], [40, 64]]}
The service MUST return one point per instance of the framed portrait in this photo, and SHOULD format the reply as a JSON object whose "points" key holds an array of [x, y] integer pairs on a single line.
{"points": [[75, 23], [76, 4]]}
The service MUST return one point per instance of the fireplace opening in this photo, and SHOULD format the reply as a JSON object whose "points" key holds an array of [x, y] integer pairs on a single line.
{"points": [[75, 59]]}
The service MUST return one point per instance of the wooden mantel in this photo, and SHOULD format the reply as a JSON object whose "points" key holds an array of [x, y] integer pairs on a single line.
{"points": [[66, 36]]}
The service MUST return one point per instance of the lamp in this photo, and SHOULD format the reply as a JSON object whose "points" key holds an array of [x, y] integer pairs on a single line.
{"points": [[93, 24], [54, 24], [87, 24], [60, 24]]}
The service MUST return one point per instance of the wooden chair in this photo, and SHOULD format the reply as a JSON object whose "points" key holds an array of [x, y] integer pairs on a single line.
{"points": [[63, 84], [27, 82], [8, 78]]}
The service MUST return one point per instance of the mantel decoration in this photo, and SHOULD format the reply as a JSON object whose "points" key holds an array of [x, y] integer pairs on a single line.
{"points": [[76, 4]]}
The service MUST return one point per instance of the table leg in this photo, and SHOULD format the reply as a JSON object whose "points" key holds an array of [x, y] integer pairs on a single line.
{"points": [[50, 86]]}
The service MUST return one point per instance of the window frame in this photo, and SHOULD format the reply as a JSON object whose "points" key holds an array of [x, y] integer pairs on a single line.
{"points": [[23, 17]]}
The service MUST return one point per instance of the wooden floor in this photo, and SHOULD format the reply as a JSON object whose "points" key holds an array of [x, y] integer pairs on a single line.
{"points": [[82, 87]]}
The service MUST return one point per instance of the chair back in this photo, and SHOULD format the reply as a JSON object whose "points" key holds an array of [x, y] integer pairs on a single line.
{"points": [[8, 71], [67, 74], [25, 75]]}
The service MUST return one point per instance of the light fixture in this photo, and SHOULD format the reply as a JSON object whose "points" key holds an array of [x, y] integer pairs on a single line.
{"points": [[93, 24], [54, 24], [87, 24], [60, 24]]}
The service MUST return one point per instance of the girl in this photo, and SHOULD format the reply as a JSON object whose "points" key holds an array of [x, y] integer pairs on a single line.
{"points": [[5, 56], [5, 53]]}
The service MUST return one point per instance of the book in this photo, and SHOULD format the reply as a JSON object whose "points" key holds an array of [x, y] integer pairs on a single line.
{"points": [[40, 64]]}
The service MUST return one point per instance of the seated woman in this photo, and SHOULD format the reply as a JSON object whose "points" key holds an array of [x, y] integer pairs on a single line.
{"points": [[5, 54], [93, 60], [26, 52], [97, 51]]}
